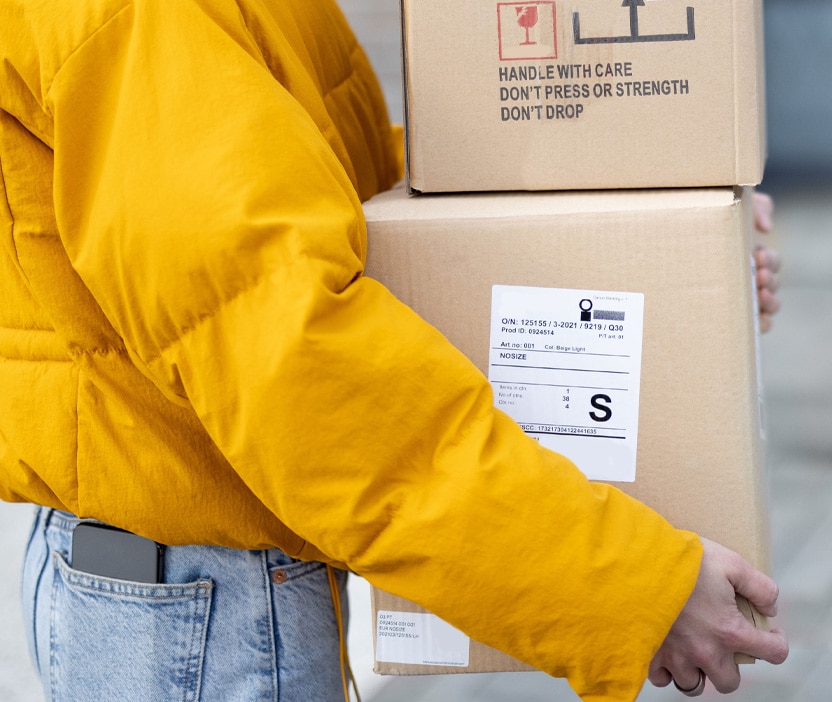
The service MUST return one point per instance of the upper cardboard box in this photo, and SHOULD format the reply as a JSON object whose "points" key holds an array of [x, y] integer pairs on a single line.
{"points": [[592, 94]]}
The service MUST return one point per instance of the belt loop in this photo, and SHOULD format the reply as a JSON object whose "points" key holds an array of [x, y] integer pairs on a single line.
{"points": [[45, 516]]}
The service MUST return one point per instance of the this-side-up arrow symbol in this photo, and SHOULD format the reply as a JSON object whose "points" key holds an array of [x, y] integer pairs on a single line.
{"points": [[634, 35], [634, 5]]}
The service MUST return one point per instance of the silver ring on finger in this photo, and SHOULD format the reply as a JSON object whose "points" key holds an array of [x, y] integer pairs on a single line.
{"points": [[694, 691]]}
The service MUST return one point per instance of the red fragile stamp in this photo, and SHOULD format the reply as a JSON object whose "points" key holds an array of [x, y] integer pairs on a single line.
{"points": [[527, 30]]}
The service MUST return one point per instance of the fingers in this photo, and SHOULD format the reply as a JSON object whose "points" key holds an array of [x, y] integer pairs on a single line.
{"points": [[767, 281], [769, 302], [767, 259], [691, 681], [692, 690], [725, 678], [723, 673], [768, 264], [763, 207], [762, 592], [711, 628], [759, 589], [660, 676], [770, 646]]}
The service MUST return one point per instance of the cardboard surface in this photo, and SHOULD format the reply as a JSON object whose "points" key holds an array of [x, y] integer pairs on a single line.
{"points": [[592, 94], [700, 438]]}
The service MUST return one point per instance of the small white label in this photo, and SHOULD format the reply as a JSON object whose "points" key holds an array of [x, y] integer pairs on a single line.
{"points": [[566, 366], [420, 639]]}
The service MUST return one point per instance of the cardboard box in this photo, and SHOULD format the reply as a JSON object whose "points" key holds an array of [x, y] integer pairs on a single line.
{"points": [[618, 328], [591, 94]]}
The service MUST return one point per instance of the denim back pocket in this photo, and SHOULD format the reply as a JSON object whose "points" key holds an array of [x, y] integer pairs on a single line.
{"points": [[118, 640]]}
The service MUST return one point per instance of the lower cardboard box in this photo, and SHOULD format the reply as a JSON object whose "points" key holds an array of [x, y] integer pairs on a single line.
{"points": [[619, 328]]}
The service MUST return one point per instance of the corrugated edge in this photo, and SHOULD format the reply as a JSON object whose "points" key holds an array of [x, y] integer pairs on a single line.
{"points": [[394, 205], [749, 92], [406, 117]]}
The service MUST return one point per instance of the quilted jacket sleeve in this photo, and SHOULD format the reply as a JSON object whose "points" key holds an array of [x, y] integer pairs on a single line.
{"points": [[214, 215]]}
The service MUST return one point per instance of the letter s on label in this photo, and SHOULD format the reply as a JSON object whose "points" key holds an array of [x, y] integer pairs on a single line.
{"points": [[605, 413]]}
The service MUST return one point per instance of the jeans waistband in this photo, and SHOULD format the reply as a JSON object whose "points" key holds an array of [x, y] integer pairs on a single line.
{"points": [[61, 520], [48, 517]]}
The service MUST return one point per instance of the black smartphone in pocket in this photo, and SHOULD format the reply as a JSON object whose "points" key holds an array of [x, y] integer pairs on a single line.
{"points": [[103, 550]]}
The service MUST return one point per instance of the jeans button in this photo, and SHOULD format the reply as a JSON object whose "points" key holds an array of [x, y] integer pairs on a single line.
{"points": [[278, 577]]}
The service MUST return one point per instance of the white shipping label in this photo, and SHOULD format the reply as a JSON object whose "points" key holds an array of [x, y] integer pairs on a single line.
{"points": [[566, 366], [420, 639]]}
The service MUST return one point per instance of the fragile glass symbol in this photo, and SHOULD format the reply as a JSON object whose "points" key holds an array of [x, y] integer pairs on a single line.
{"points": [[527, 18]]}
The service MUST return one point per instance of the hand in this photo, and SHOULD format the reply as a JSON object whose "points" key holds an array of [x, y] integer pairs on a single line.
{"points": [[710, 628], [767, 260]]}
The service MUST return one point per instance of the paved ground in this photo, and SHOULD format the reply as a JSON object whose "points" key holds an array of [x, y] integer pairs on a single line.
{"points": [[797, 372]]}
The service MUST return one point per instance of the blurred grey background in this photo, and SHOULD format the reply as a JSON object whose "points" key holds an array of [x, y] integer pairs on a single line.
{"points": [[797, 375], [798, 36]]}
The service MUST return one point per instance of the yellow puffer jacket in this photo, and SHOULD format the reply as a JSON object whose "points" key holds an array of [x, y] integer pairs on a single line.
{"points": [[188, 348]]}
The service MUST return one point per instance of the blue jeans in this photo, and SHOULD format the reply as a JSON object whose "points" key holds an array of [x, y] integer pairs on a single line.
{"points": [[226, 625]]}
